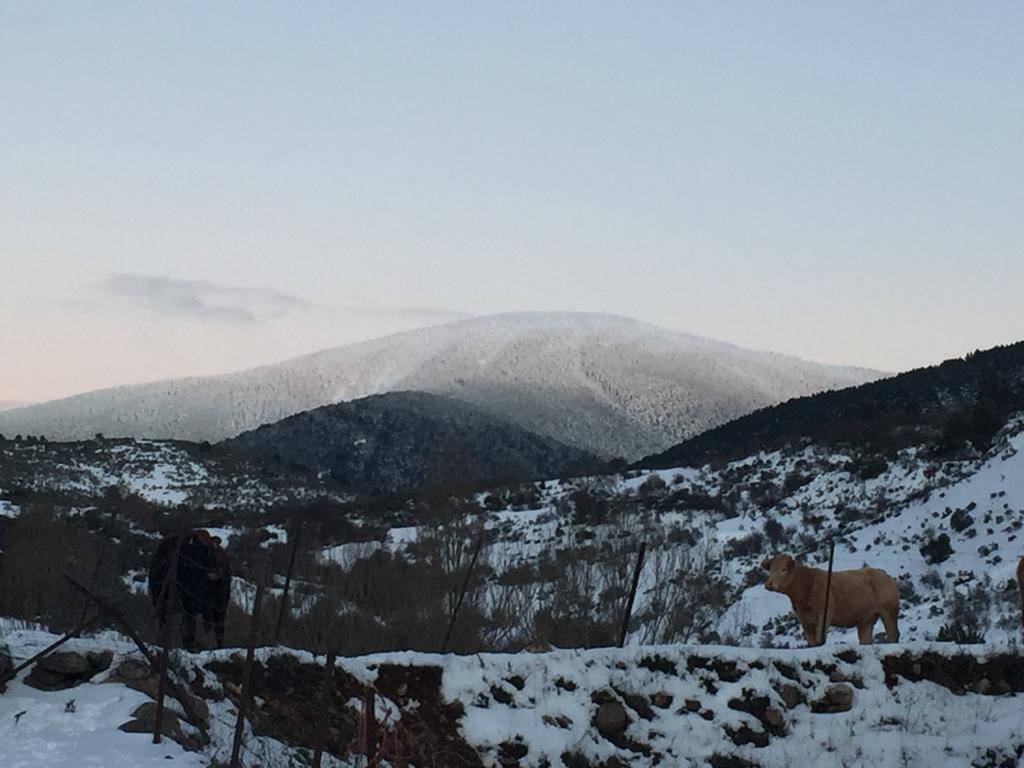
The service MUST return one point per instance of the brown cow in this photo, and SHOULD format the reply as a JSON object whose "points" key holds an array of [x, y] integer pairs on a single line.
{"points": [[1020, 589], [203, 586], [856, 598]]}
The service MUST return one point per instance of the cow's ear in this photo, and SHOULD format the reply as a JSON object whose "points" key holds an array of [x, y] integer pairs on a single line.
{"points": [[767, 563]]}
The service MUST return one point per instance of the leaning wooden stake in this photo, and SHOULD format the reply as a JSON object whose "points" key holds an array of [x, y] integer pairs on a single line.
{"points": [[243, 704], [632, 593], [168, 594], [295, 531], [828, 588], [325, 705], [462, 593], [182, 695], [11, 674]]}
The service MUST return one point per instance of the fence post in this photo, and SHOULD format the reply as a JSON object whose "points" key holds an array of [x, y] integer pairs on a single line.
{"points": [[243, 704], [828, 587], [368, 727], [295, 532], [632, 593], [168, 595], [325, 705], [462, 593]]}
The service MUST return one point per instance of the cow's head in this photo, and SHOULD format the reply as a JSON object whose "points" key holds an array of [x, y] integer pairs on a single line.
{"points": [[780, 572]]}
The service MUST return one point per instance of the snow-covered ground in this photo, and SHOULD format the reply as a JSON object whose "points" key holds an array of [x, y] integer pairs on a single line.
{"points": [[658, 705], [78, 726]]}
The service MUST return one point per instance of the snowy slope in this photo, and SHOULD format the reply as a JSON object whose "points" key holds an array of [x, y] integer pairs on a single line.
{"points": [[720, 520], [163, 472], [603, 383]]}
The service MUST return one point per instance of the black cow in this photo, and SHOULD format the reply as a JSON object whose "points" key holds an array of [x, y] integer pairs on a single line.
{"points": [[203, 586]]}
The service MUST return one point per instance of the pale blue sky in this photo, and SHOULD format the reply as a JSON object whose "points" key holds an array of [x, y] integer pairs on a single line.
{"points": [[197, 187]]}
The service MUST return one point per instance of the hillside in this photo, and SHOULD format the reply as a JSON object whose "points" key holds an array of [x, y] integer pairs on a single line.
{"points": [[601, 383], [959, 401], [161, 472], [407, 441]]}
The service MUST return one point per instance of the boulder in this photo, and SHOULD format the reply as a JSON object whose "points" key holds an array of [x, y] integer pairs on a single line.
{"points": [[144, 721], [63, 670], [838, 698], [611, 719], [791, 696], [661, 699]]}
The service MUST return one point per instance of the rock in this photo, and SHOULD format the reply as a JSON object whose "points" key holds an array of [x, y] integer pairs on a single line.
{"points": [[560, 721], [838, 698], [139, 676], [661, 699], [511, 752], [60, 671], [611, 719], [792, 696], [639, 705], [144, 721], [773, 718], [983, 686], [840, 695], [747, 735], [693, 705], [129, 671]]}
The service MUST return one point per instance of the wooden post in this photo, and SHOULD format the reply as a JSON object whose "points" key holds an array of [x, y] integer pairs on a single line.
{"points": [[367, 744], [243, 704], [632, 593], [167, 596], [462, 593], [296, 529], [325, 705], [828, 588]]}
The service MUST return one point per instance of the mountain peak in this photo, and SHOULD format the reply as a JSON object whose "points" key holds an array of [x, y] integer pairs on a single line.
{"points": [[605, 384]]}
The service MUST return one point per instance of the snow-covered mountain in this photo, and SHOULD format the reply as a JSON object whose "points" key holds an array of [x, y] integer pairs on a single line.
{"points": [[603, 383], [6, 405]]}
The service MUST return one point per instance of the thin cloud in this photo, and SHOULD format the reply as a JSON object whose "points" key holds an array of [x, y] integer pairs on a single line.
{"points": [[201, 299], [431, 314]]}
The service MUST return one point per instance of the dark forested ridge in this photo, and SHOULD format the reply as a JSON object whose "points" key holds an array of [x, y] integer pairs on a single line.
{"points": [[406, 441], [961, 401]]}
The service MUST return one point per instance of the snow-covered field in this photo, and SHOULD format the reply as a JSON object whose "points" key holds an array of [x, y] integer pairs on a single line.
{"points": [[660, 705]]}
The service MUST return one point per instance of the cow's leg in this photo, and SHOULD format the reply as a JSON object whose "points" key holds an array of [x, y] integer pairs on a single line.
{"points": [[810, 632], [866, 632], [892, 629], [218, 627], [188, 629]]}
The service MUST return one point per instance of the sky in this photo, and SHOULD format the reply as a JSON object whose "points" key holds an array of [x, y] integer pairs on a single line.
{"points": [[190, 188]]}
